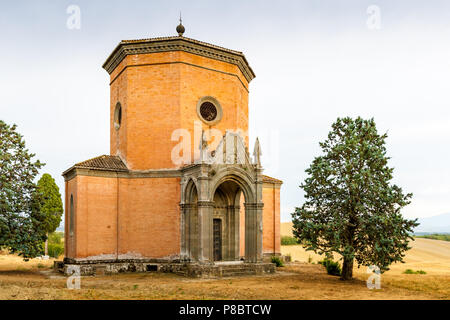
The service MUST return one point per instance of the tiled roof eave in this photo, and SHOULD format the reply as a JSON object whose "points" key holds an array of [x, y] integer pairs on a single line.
{"points": [[153, 45], [174, 38], [93, 168], [101, 169], [101, 163], [268, 179]]}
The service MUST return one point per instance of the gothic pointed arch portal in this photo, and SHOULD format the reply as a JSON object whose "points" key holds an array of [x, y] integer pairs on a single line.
{"points": [[226, 222], [211, 197]]}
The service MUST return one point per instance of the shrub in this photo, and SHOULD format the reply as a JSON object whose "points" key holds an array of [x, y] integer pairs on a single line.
{"points": [[277, 261], [288, 257], [288, 241], [410, 271], [55, 250], [55, 244], [55, 237], [420, 272], [332, 267]]}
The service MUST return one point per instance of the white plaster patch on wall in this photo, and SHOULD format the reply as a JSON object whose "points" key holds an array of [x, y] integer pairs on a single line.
{"points": [[132, 255], [99, 257]]}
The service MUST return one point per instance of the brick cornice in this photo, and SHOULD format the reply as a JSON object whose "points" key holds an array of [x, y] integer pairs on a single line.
{"points": [[178, 44]]}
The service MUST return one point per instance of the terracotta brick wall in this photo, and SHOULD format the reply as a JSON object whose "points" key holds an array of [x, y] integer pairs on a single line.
{"points": [[119, 93], [70, 241], [159, 95], [145, 224], [95, 200], [149, 217], [271, 218]]}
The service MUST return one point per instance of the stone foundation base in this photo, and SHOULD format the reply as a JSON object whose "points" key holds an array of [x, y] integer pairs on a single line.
{"points": [[194, 270]]}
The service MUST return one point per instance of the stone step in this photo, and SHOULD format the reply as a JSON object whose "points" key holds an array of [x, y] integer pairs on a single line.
{"points": [[236, 269], [235, 272]]}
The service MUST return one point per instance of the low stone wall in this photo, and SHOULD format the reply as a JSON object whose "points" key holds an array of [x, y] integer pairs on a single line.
{"points": [[267, 257], [193, 270]]}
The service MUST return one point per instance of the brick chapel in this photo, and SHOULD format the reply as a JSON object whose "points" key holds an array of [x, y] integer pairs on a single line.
{"points": [[168, 194]]}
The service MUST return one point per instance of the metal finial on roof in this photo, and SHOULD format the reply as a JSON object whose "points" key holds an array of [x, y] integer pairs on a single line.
{"points": [[180, 27]]}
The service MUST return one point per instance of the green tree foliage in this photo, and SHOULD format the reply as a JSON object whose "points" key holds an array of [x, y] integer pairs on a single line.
{"points": [[351, 207], [21, 229], [55, 244], [51, 203]]}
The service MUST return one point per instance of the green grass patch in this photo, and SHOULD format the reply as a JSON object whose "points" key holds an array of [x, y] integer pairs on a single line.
{"points": [[436, 236], [288, 241], [411, 271]]}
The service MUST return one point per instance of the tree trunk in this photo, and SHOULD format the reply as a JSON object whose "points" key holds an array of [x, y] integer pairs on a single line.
{"points": [[347, 269], [46, 246]]}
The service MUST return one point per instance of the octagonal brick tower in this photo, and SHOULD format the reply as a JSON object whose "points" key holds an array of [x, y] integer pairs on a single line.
{"points": [[157, 86], [137, 206]]}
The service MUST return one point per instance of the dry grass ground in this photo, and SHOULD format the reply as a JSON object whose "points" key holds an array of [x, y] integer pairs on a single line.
{"points": [[431, 256], [296, 281], [299, 280]]}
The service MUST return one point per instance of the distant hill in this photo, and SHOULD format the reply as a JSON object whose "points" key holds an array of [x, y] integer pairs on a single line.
{"points": [[286, 229], [434, 224]]}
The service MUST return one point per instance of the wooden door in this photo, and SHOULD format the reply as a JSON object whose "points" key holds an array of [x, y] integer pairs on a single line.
{"points": [[217, 239]]}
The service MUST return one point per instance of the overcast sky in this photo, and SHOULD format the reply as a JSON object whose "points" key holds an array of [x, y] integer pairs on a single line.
{"points": [[314, 61]]}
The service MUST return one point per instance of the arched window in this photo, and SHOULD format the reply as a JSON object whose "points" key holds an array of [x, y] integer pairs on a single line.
{"points": [[71, 216], [117, 116]]}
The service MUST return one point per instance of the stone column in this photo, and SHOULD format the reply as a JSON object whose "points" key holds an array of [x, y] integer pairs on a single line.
{"points": [[226, 236], [184, 232], [231, 234], [253, 232], [205, 231], [205, 208], [192, 231], [259, 212], [234, 233]]}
